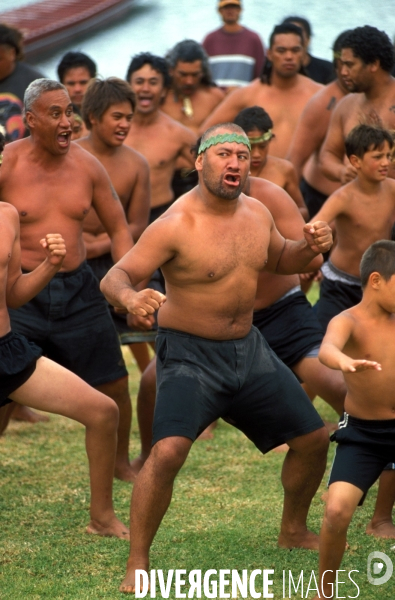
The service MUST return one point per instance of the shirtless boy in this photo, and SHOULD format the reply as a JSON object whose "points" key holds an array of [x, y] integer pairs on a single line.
{"points": [[310, 133], [158, 137], [282, 91], [367, 58], [28, 378], [193, 95], [69, 319], [360, 343], [211, 245], [258, 126]]}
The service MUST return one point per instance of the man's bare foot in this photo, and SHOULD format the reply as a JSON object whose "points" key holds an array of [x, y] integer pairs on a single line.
{"points": [[385, 529], [208, 433], [128, 585], [304, 539], [24, 413], [112, 528], [281, 448], [126, 471]]}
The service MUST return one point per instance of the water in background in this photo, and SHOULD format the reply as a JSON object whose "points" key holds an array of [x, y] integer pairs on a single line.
{"points": [[156, 25]]}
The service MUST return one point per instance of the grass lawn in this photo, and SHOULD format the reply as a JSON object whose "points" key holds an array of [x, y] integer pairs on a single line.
{"points": [[225, 514]]}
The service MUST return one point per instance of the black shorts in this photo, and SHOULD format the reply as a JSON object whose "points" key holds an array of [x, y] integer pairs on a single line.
{"points": [[335, 296], [365, 447], [183, 181], [70, 321], [291, 328], [18, 359], [242, 381], [312, 197]]}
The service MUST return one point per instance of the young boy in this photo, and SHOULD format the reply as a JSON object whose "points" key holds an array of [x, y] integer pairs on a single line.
{"points": [[29, 379], [258, 126], [363, 212], [360, 343]]}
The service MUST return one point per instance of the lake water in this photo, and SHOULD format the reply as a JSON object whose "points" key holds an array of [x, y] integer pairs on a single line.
{"points": [[156, 25]]}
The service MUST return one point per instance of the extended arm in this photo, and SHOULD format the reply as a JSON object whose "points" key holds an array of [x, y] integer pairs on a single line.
{"points": [[292, 188], [333, 150], [337, 335]]}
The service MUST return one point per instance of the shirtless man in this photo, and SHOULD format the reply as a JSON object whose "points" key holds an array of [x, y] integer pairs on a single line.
{"points": [[282, 91], [30, 379], [309, 135], [211, 246], [107, 108], [193, 94], [158, 137], [367, 58], [69, 319], [258, 126], [363, 212]]}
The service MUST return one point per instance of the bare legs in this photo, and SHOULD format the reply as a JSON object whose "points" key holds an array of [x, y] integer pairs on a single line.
{"points": [[150, 500], [145, 413], [303, 469], [381, 524], [325, 382], [54, 389], [118, 390]]}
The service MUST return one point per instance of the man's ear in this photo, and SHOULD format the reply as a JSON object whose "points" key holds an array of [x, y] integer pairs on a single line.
{"points": [[30, 119], [355, 161], [375, 280], [374, 66], [199, 162]]}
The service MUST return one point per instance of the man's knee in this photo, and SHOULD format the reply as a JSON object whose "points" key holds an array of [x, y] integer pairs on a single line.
{"points": [[107, 412], [169, 454], [337, 515]]}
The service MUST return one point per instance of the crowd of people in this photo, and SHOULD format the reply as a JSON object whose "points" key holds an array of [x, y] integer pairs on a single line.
{"points": [[194, 202]]}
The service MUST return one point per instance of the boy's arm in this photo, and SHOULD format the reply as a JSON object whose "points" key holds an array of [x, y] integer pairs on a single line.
{"points": [[23, 287], [332, 208], [337, 335]]}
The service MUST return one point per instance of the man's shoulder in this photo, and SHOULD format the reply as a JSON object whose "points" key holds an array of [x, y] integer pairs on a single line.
{"points": [[176, 128]]}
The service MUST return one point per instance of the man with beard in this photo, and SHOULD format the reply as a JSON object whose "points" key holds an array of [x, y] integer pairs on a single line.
{"points": [[193, 94], [367, 58], [282, 90], [211, 362]]}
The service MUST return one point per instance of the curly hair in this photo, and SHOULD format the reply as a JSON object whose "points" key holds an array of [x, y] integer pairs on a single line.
{"points": [[190, 51], [370, 44]]}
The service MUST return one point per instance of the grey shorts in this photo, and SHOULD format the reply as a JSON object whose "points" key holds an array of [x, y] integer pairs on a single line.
{"points": [[242, 381]]}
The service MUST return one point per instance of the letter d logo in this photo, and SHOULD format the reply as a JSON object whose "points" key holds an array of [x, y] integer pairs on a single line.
{"points": [[380, 559]]}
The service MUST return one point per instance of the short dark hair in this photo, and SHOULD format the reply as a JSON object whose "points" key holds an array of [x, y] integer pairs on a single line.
{"points": [[286, 28], [380, 258], [304, 24], [103, 93], [73, 60], [337, 45], [252, 118], [157, 63], [190, 51], [11, 36], [370, 44], [364, 138]]}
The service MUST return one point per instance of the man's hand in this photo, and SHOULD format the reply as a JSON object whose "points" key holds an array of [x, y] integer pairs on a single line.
{"points": [[145, 303], [55, 248], [349, 365], [348, 173], [318, 235], [140, 323]]}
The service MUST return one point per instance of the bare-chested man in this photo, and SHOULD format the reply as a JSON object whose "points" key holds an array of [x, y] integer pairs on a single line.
{"points": [[211, 246], [158, 137], [367, 58], [69, 319], [310, 133], [29, 379], [193, 95], [282, 91], [363, 212], [258, 126]]}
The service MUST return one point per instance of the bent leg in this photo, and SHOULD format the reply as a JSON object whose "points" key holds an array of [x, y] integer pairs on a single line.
{"points": [[24, 413], [56, 390], [118, 390], [145, 413], [5, 414], [381, 524], [325, 382], [302, 472], [343, 499], [150, 500]]}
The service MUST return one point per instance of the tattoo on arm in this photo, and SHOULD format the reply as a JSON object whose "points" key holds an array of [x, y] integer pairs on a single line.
{"points": [[331, 103], [113, 192]]}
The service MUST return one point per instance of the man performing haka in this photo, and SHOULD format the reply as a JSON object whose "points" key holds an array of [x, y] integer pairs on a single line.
{"points": [[53, 183], [211, 245]]}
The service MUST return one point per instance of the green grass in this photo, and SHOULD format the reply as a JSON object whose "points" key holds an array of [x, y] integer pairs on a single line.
{"points": [[225, 514]]}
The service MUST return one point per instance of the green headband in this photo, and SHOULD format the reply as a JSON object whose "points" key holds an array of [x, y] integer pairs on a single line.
{"points": [[224, 137], [266, 137]]}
